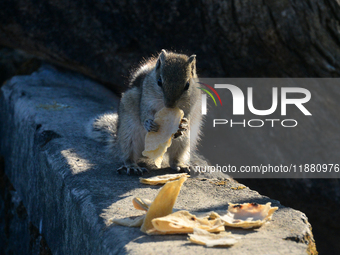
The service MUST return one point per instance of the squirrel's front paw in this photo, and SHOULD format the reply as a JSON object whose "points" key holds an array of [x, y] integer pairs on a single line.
{"points": [[150, 125], [183, 126]]}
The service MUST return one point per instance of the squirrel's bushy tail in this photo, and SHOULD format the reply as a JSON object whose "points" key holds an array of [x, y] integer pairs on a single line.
{"points": [[103, 128]]}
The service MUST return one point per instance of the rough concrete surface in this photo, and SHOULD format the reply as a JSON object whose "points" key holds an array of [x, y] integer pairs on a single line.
{"points": [[71, 190]]}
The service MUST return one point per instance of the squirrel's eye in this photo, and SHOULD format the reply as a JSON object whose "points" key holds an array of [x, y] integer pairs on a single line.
{"points": [[187, 86], [159, 82]]}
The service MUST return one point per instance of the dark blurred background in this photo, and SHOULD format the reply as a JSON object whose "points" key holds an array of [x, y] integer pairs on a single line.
{"points": [[105, 40]]}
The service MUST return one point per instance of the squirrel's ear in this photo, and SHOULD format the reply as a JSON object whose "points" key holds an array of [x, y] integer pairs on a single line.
{"points": [[192, 59], [161, 59], [192, 63]]}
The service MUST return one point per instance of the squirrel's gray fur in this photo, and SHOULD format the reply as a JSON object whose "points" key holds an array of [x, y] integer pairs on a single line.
{"points": [[164, 81]]}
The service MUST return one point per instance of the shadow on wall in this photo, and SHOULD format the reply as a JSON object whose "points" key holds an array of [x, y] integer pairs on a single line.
{"points": [[16, 62]]}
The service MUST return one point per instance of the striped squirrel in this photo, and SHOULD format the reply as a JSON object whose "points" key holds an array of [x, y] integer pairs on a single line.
{"points": [[164, 81]]}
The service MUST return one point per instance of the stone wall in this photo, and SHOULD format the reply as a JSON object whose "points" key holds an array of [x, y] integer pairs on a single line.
{"points": [[65, 189]]}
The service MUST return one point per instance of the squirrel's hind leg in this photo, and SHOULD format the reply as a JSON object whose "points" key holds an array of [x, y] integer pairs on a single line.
{"points": [[179, 155], [132, 168]]}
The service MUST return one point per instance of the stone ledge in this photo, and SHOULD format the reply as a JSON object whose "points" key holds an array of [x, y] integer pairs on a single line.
{"points": [[70, 187]]}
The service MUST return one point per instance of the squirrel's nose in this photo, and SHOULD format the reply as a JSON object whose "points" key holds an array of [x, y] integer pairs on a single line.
{"points": [[170, 104]]}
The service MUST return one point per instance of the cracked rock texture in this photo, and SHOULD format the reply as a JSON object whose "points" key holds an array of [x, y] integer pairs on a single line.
{"points": [[249, 38], [70, 190]]}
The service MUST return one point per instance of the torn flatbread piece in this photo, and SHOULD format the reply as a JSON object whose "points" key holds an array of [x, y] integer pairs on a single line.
{"points": [[183, 222], [161, 179], [248, 215], [163, 203], [157, 143], [141, 204], [203, 237], [135, 221]]}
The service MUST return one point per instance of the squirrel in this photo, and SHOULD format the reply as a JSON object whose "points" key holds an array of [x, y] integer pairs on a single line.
{"points": [[163, 81]]}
